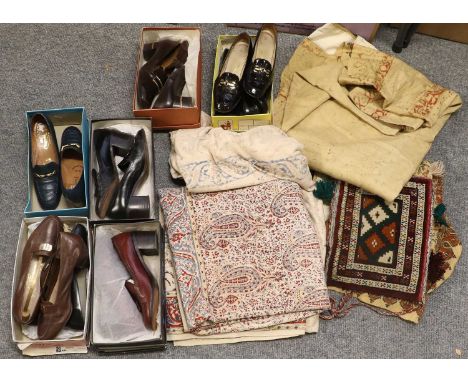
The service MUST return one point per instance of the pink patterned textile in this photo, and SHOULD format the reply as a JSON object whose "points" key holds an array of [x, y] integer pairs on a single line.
{"points": [[247, 255]]}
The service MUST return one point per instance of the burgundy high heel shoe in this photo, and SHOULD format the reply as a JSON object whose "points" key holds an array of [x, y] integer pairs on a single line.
{"points": [[141, 285]]}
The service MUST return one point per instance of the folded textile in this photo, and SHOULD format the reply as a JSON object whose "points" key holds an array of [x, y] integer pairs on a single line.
{"points": [[204, 158], [175, 324], [213, 159], [248, 257], [444, 249], [364, 117]]}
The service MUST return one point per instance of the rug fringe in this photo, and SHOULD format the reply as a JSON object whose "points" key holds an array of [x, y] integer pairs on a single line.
{"points": [[437, 168], [342, 308]]}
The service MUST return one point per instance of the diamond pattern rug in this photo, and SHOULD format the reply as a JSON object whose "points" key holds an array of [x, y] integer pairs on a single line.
{"points": [[381, 248]]}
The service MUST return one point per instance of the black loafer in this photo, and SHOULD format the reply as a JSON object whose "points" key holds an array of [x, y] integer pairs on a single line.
{"points": [[227, 89], [259, 75], [71, 167], [252, 105], [44, 161]]}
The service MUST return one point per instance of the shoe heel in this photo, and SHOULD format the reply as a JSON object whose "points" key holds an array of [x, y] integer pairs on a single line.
{"points": [[138, 207], [121, 144], [146, 242], [76, 320]]}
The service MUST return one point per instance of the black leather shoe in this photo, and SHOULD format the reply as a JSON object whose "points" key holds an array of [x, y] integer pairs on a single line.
{"points": [[250, 105], [71, 167], [227, 90], [76, 320], [159, 50], [44, 161], [171, 93], [153, 75], [108, 143], [259, 74], [135, 167]]}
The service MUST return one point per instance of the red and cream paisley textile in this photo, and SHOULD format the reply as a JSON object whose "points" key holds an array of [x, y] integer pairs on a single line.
{"points": [[247, 256]]}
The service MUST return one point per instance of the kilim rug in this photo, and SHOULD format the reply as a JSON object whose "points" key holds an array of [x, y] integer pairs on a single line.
{"points": [[381, 248], [446, 250]]}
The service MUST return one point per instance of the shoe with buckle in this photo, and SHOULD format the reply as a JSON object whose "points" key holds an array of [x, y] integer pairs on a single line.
{"points": [[227, 90], [44, 161], [259, 74], [154, 73]]}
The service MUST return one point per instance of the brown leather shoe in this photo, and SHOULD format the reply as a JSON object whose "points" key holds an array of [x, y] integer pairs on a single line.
{"points": [[56, 303], [142, 286], [39, 251], [153, 75]]}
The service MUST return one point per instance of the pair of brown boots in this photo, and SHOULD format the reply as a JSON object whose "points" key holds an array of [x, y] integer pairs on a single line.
{"points": [[43, 291]]}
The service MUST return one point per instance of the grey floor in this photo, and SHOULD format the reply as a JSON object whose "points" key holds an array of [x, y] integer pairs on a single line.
{"points": [[52, 66]]}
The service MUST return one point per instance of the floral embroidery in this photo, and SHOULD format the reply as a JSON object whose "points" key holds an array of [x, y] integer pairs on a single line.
{"points": [[428, 100], [234, 168], [382, 71]]}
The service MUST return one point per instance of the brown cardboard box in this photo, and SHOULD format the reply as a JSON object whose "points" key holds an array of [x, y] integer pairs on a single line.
{"points": [[171, 118]]}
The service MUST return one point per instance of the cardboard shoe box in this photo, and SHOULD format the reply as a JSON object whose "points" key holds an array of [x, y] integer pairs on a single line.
{"points": [[68, 341], [174, 118], [117, 324], [235, 122], [142, 188], [61, 119]]}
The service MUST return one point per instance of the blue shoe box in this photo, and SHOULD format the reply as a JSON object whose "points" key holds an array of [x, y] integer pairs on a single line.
{"points": [[61, 119]]}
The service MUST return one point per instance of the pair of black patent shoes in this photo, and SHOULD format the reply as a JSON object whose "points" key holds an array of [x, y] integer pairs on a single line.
{"points": [[113, 190], [246, 74], [161, 79], [56, 172]]}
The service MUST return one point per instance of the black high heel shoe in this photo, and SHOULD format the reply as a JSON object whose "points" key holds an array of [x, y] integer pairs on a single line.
{"points": [[154, 73], [171, 93], [135, 164], [107, 144], [227, 90], [259, 74]]}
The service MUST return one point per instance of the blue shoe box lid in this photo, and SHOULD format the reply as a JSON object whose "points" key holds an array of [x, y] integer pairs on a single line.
{"points": [[61, 119]]}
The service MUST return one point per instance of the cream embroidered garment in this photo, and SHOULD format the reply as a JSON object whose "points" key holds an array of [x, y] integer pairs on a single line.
{"points": [[364, 116], [213, 159]]}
